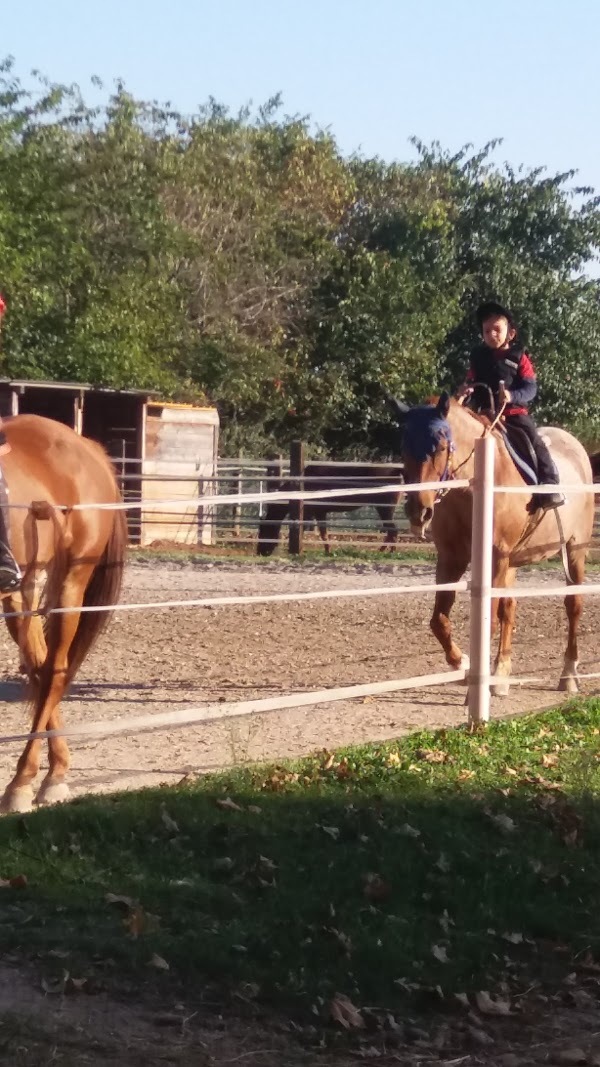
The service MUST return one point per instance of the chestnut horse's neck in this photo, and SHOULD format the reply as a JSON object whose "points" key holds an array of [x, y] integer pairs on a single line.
{"points": [[466, 429]]}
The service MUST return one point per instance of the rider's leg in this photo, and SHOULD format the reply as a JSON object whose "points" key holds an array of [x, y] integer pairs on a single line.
{"points": [[547, 471], [10, 574]]}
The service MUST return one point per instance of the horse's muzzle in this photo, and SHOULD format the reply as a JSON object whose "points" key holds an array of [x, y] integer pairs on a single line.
{"points": [[420, 521]]}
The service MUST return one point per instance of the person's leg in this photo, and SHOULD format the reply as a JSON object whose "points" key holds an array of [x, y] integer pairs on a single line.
{"points": [[10, 574], [547, 471]]}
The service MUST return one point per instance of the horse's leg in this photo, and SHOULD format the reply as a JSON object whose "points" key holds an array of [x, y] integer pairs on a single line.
{"points": [[449, 568], [386, 514], [504, 614], [573, 606], [322, 527], [18, 794], [28, 631]]}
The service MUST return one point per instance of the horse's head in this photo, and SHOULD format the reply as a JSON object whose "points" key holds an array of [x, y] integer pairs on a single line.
{"points": [[427, 447]]}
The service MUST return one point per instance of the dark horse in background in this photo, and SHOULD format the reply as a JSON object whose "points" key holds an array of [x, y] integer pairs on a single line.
{"points": [[319, 476], [595, 461]]}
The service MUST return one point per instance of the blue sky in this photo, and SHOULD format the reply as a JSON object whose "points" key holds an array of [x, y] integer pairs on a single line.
{"points": [[372, 71]]}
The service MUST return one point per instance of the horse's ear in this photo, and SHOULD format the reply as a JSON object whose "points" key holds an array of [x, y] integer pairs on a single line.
{"points": [[443, 405], [399, 408]]}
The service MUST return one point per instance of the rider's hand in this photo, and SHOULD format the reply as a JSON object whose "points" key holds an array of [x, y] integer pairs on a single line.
{"points": [[504, 394], [463, 392]]}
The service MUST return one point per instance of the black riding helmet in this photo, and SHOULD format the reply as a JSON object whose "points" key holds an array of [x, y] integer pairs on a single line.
{"points": [[492, 307]]}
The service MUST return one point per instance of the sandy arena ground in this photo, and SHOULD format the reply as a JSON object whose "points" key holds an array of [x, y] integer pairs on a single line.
{"points": [[150, 661]]}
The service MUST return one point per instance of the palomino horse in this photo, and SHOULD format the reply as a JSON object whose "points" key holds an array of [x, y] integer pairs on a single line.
{"points": [[438, 444], [319, 476], [78, 555]]}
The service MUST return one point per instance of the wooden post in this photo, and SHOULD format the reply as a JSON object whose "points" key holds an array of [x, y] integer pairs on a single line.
{"points": [[481, 580], [237, 508], [296, 506]]}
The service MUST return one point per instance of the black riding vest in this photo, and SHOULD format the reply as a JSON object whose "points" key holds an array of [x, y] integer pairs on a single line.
{"points": [[491, 369]]}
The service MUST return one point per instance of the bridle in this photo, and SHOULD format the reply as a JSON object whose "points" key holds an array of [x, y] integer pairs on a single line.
{"points": [[448, 473]]}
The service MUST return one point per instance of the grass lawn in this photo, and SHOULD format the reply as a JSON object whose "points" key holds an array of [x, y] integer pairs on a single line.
{"points": [[392, 874]]}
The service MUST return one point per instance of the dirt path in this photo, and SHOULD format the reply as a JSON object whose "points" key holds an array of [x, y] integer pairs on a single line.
{"points": [[150, 661]]}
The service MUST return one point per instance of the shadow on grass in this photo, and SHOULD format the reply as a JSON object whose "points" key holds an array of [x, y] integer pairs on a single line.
{"points": [[444, 860]]}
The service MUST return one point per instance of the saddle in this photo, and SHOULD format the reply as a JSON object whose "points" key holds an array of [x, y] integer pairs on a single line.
{"points": [[518, 445], [520, 450]]}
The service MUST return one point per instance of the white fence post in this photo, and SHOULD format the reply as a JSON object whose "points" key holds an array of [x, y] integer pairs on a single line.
{"points": [[481, 580]]}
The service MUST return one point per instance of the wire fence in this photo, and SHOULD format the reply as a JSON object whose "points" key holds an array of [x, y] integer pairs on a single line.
{"points": [[192, 517]]}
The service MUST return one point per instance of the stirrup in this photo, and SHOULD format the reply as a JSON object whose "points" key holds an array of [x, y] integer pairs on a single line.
{"points": [[545, 501]]}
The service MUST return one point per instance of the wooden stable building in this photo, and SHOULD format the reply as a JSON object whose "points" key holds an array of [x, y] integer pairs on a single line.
{"points": [[161, 450]]}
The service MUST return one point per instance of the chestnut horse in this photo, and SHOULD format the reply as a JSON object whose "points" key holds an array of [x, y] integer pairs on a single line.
{"points": [[70, 558], [438, 443], [329, 476]]}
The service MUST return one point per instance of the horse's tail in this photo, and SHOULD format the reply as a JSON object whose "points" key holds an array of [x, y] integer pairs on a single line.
{"points": [[103, 589]]}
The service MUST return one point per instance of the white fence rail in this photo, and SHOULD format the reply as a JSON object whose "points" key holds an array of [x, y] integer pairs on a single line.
{"points": [[479, 589]]}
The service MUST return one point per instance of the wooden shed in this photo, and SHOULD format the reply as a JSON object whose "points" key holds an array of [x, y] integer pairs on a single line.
{"points": [[162, 451]]}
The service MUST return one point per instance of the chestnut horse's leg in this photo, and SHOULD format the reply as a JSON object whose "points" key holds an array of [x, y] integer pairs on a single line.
{"points": [[503, 614], [450, 567], [574, 606], [19, 793]]}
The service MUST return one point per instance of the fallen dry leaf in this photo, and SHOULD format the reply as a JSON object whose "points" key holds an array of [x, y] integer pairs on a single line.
{"points": [[487, 1006], [140, 922], [433, 755], [343, 940], [57, 986], [549, 759], [409, 831], [124, 902], [514, 939], [503, 822], [158, 962], [228, 804], [343, 1011], [76, 985], [167, 821], [393, 759], [440, 953], [465, 774], [331, 831], [375, 887]]}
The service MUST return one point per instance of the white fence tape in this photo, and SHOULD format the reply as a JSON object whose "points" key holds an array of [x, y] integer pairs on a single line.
{"points": [[200, 713], [213, 711], [266, 598]]}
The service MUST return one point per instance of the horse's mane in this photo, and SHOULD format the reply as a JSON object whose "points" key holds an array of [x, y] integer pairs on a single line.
{"points": [[482, 419], [432, 401]]}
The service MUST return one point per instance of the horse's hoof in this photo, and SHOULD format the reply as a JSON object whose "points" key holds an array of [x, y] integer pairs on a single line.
{"points": [[568, 685], [500, 689], [17, 800], [52, 793]]}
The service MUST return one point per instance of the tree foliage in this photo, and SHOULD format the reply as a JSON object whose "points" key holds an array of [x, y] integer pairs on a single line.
{"points": [[241, 258]]}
